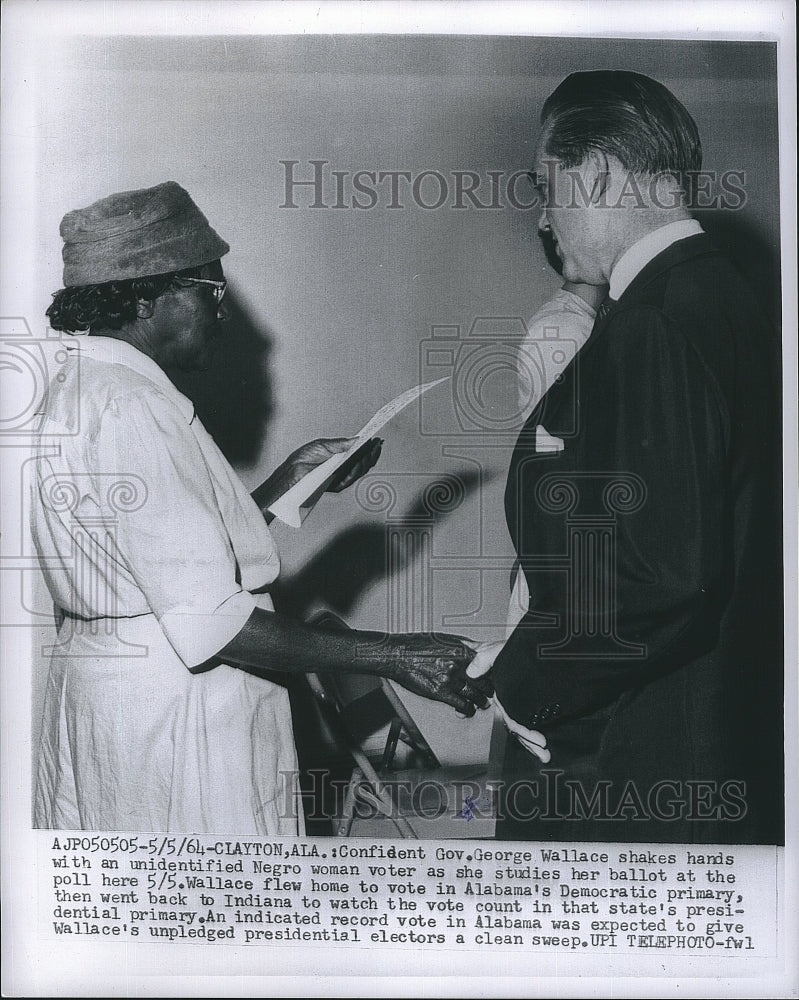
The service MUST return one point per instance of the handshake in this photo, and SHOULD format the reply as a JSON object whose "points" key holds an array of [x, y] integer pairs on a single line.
{"points": [[445, 668], [456, 671]]}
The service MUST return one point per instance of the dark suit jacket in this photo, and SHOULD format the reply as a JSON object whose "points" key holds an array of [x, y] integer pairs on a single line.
{"points": [[651, 655]]}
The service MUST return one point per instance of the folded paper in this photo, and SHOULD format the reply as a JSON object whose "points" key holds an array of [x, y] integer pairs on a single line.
{"points": [[296, 503]]}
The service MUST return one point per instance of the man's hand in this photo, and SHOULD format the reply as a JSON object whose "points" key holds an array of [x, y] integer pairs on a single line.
{"points": [[478, 670], [435, 667]]}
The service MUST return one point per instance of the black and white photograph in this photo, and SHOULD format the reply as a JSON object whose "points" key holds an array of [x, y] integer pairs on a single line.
{"points": [[399, 511]]}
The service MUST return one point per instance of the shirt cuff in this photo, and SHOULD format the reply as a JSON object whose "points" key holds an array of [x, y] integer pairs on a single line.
{"points": [[197, 634]]}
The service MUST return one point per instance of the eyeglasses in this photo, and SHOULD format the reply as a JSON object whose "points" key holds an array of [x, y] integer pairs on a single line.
{"points": [[219, 287]]}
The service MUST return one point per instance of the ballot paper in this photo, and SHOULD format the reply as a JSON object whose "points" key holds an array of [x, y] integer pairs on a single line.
{"points": [[296, 503]]}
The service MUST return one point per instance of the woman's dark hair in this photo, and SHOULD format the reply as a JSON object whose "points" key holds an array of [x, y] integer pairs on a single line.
{"points": [[627, 115], [109, 305]]}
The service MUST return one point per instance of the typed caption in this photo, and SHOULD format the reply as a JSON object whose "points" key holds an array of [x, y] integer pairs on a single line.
{"points": [[609, 898]]}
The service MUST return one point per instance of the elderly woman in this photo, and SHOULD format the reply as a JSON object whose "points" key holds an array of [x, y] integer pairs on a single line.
{"points": [[159, 561]]}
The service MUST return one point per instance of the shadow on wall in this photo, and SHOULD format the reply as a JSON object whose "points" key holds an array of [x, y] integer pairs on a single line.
{"points": [[335, 579], [234, 398], [338, 576]]}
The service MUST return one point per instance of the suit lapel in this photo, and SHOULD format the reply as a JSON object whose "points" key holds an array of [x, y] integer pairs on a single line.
{"points": [[679, 252]]}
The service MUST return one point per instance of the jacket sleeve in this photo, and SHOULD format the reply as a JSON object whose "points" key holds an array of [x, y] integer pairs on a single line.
{"points": [[650, 417]]}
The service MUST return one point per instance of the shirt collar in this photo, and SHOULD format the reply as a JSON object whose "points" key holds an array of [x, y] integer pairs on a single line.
{"points": [[636, 257], [119, 352]]}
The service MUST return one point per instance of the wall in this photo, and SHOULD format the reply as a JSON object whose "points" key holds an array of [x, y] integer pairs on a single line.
{"points": [[332, 308]]}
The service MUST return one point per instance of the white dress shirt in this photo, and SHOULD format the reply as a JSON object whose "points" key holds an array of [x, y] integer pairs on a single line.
{"points": [[636, 257]]}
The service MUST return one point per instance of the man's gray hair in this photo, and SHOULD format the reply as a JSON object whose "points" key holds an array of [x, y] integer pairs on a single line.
{"points": [[623, 114]]}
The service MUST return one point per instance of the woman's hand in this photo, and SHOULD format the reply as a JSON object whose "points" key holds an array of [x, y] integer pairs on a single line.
{"points": [[359, 463], [308, 457], [434, 666], [532, 741]]}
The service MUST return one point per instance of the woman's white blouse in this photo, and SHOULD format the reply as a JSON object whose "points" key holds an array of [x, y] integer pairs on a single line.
{"points": [[181, 538], [153, 548]]}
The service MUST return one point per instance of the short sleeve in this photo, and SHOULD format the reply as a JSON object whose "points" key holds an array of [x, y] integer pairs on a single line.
{"points": [[172, 540]]}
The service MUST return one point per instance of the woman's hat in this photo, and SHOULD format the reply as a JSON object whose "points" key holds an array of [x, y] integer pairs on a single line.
{"points": [[137, 233]]}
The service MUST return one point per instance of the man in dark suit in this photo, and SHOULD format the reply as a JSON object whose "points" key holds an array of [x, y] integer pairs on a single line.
{"points": [[643, 499]]}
